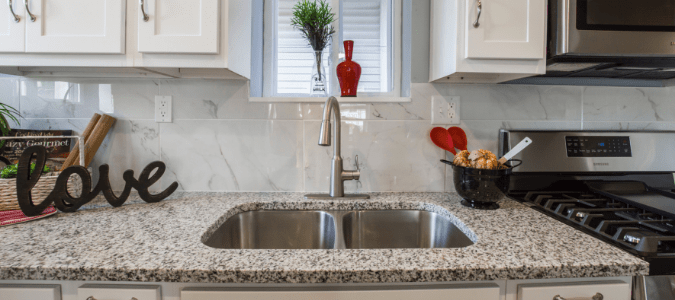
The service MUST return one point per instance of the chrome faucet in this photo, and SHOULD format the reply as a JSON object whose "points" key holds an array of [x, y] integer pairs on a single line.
{"points": [[338, 175]]}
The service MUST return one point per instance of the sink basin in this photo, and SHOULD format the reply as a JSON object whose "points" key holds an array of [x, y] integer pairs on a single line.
{"points": [[276, 230], [372, 229], [401, 229]]}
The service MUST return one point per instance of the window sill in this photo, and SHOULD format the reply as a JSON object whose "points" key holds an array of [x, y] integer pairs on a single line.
{"points": [[323, 99]]}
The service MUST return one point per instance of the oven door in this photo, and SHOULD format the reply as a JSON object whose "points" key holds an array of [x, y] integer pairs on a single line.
{"points": [[615, 27]]}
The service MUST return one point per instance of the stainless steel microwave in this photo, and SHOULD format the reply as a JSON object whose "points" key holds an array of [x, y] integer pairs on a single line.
{"points": [[614, 27], [626, 39]]}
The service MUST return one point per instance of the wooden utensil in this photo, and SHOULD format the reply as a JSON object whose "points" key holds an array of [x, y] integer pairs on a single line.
{"points": [[75, 153], [442, 139], [515, 150], [96, 138]]}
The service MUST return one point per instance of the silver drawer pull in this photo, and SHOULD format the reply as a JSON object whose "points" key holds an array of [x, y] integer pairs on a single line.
{"points": [[145, 16], [11, 10], [597, 296], [480, 8], [32, 17]]}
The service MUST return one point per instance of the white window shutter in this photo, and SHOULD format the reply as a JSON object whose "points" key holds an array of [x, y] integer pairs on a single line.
{"points": [[366, 22]]}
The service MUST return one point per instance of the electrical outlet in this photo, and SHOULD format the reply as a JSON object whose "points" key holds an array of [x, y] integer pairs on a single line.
{"points": [[163, 109], [445, 111]]}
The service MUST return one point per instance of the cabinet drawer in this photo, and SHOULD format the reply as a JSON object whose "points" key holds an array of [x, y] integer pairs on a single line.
{"points": [[30, 292], [119, 292], [457, 292], [614, 290]]}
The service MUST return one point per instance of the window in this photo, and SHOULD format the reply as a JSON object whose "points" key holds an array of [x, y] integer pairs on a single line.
{"points": [[373, 25]]}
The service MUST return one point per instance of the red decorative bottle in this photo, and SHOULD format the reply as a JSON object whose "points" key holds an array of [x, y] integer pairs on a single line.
{"points": [[349, 72]]}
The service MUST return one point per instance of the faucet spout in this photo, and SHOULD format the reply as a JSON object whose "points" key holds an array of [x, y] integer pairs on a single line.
{"points": [[338, 174], [332, 107]]}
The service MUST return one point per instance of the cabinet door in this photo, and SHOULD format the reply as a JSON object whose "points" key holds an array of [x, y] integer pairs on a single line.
{"points": [[179, 26], [30, 292], [506, 29], [76, 26], [11, 31], [460, 292], [614, 290], [119, 292]]}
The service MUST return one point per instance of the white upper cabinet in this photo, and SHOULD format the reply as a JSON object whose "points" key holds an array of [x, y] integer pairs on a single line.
{"points": [[506, 29], [113, 38], [487, 41], [75, 26], [179, 26], [12, 26]]}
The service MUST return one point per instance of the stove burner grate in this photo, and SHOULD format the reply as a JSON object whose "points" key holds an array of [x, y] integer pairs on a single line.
{"points": [[631, 227]]}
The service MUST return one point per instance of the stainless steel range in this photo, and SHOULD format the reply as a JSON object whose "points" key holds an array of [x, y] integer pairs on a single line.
{"points": [[618, 187]]}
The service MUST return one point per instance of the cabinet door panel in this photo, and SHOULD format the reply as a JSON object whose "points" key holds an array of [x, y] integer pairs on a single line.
{"points": [[11, 32], [615, 290], [30, 292], [483, 292], [179, 26], [119, 292], [508, 29], [76, 26]]}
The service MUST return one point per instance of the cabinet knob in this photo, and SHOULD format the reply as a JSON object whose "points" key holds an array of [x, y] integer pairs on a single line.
{"points": [[479, 7], [11, 10], [32, 17], [597, 296]]}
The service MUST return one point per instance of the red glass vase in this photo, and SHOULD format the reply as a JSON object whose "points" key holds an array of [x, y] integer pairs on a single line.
{"points": [[349, 72]]}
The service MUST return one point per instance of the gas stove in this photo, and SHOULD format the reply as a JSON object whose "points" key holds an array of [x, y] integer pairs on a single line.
{"points": [[614, 186]]}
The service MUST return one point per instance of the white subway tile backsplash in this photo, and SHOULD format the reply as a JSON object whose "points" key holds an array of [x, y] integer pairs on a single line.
{"points": [[221, 142], [628, 104], [233, 155], [515, 102], [121, 98], [393, 156], [196, 99]]}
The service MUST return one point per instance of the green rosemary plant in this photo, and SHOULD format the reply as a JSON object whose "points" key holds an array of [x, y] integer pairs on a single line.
{"points": [[314, 19]]}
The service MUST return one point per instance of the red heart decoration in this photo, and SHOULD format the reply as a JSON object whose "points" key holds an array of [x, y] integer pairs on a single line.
{"points": [[442, 139], [458, 137]]}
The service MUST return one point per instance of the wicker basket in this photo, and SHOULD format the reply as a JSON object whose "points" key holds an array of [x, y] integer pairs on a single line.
{"points": [[42, 189]]}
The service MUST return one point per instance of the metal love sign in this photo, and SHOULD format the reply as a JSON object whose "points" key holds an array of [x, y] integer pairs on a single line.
{"points": [[65, 202]]}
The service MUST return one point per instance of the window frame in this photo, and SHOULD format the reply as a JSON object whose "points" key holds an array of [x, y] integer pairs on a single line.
{"points": [[263, 83]]}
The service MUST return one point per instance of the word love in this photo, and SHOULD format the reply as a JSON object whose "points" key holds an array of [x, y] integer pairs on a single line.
{"points": [[64, 201]]}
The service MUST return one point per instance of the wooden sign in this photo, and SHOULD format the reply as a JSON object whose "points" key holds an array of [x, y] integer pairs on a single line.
{"points": [[65, 202]]}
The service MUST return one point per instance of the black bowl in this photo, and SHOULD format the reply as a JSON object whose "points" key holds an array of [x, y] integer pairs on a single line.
{"points": [[481, 189]]}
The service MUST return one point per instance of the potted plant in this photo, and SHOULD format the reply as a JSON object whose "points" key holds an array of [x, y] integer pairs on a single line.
{"points": [[6, 112], [314, 20]]}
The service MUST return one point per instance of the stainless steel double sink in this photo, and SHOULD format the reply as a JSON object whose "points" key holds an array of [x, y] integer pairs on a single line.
{"points": [[370, 229]]}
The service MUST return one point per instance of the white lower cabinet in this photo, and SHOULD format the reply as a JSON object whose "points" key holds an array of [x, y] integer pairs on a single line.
{"points": [[614, 290], [456, 292], [30, 292], [119, 292]]}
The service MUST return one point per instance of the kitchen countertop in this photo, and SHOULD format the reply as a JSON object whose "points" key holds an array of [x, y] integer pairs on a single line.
{"points": [[161, 242]]}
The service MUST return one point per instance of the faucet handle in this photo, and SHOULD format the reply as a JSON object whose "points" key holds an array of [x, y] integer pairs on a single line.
{"points": [[356, 161]]}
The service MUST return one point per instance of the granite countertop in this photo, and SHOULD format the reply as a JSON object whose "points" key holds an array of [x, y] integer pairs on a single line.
{"points": [[162, 242]]}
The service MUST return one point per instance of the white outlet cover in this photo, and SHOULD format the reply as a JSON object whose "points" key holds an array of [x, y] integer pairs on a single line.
{"points": [[445, 110], [163, 109]]}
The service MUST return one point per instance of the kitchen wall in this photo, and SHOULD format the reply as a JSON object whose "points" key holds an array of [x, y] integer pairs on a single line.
{"points": [[220, 142]]}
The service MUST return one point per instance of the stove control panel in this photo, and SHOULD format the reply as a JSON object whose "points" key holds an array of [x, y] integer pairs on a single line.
{"points": [[598, 146]]}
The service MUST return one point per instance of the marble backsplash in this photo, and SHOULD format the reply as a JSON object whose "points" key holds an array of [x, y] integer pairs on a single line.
{"points": [[219, 141]]}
